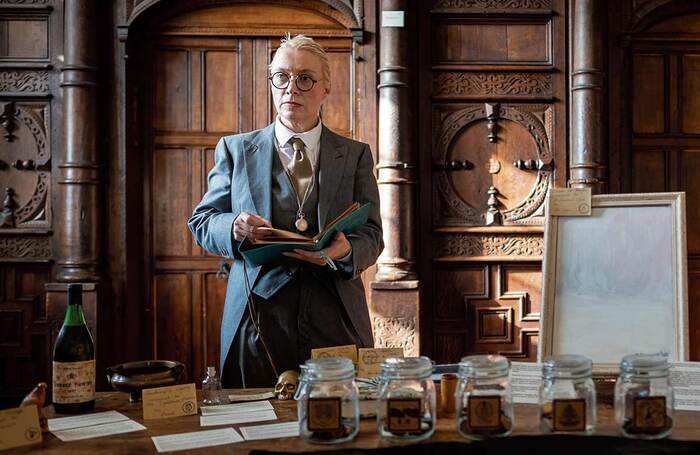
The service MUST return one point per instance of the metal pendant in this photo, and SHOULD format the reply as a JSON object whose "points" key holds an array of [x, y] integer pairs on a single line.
{"points": [[301, 224]]}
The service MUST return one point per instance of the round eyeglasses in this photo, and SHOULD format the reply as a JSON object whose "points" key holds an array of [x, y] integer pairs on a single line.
{"points": [[281, 80]]}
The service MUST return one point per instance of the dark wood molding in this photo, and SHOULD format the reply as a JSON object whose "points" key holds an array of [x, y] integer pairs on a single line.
{"points": [[588, 159]]}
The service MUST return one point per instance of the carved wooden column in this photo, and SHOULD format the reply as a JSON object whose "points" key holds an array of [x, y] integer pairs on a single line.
{"points": [[394, 293], [396, 167], [588, 164], [77, 203]]}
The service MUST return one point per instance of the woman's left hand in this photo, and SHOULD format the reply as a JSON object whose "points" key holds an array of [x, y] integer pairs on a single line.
{"points": [[339, 247]]}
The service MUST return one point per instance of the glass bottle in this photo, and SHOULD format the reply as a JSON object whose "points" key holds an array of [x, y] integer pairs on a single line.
{"points": [[327, 401], [74, 360], [567, 395], [644, 397], [406, 399], [211, 388], [483, 397]]}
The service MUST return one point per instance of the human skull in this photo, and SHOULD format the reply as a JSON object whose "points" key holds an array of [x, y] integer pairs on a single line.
{"points": [[287, 385]]}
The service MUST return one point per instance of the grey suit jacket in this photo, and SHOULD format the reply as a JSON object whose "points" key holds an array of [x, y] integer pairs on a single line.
{"points": [[241, 181]]}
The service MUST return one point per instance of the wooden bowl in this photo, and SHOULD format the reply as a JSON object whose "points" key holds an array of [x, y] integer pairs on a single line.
{"points": [[133, 377]]}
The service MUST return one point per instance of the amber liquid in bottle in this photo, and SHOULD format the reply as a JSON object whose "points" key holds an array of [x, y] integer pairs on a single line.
{"points": [[74, 360]]}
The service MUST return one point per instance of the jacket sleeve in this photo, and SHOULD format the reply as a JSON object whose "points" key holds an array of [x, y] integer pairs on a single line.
{"points": [[367, 243], [211, 222]]}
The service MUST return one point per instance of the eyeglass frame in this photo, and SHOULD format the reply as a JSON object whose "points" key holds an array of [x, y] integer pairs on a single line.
{"points": [[296, 81]]}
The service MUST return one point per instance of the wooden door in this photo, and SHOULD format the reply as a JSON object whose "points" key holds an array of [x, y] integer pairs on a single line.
{"points": [[494, 121], [208, 78], [664, 135]]}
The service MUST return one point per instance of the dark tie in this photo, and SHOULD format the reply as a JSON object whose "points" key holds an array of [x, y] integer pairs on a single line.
{"points": [[300, 170]]}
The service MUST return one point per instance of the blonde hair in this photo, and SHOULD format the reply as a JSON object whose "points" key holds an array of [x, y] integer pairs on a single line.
{"points": [[305, 43]]}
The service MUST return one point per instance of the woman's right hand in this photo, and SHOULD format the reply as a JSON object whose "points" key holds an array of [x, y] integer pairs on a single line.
{"points": [[246, 226]]}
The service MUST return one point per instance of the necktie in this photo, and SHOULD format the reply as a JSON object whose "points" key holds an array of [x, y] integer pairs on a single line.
{"points": [[301, 174], [300, 169]]}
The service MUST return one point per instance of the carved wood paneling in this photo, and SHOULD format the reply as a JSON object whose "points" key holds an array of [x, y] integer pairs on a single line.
{"points": [[492, 4], [24, 82], [25, 2], [489, 247], [465, 85], [16, 247]]}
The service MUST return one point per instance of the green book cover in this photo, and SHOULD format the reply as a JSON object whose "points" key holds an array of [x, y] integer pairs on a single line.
{"points": [[266, 253]]}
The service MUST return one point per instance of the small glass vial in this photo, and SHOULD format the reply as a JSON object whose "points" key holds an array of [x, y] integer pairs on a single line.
{"points": [[406, 399], [567, 395], [327, 405], [211, 388], [483, 397], [644, 397]]}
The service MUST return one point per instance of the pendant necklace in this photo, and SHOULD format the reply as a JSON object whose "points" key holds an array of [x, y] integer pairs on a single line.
{"points": [[300, 223]]}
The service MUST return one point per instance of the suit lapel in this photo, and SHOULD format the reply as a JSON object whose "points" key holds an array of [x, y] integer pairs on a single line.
{"points": [[258, 162], [332, 164]]}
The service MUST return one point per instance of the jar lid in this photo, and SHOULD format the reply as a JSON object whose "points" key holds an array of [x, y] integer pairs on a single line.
{"points": [[406, 367], [644, 364], [567, 366], [481, 366], [329, 368]]}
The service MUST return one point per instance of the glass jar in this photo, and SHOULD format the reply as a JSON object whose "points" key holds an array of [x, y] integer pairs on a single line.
{"points": [[644, 397], [406, 399], [327, 403], [484, 401], [567, 395]]}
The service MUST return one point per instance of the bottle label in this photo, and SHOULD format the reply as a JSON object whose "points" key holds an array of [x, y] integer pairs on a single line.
{"points": [[484, 412], [649, 413], [73, 382], [403, 415], [569, 414], [324, 414]]}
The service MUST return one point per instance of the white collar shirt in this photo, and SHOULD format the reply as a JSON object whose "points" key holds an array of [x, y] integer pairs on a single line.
{"points": [[311, 139]]}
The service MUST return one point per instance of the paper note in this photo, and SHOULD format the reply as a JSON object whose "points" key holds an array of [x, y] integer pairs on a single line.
{"points": [[196, 439], [349, 351], [171, 401], [685, 380], [525, 379], [85, 420], [231, 419], [369, 361], [392, 19], [97, 431], [237, 408], [569, 202], [19, 427], [251, 397], [271, 431]]}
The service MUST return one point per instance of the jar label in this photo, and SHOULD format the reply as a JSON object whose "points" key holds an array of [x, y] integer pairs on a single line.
{"points": [[649, 413], [403, 415], [484, 412], [73, 382], [569, 415], [324, 414]]}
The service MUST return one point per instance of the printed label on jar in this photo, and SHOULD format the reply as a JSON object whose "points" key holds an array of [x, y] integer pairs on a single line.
{"points": [[324, 414], [569, 415], [73, 382], [403, 415], [649, 413], [484, 412]]}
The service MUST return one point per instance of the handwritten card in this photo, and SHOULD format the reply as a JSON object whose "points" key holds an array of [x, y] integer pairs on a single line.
{"points": [[569, 202], [233, 419], [349, 351], [271, 431], [237, 408], [19, 427], [370, 360], [236, 397], [172, 401], [85, 420], [98, 431]]}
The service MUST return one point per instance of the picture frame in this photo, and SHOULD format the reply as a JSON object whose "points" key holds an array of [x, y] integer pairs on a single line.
{"points": [[603, 294]]}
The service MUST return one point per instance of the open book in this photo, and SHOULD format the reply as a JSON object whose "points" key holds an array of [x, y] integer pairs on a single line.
{"points": [[269, 249]]}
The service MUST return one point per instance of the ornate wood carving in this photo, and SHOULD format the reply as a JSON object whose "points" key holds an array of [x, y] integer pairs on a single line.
{"points": [[7, 216], [458, 211], [34, 208], [395, 332], [7, 121], [489, 247], [492, 4], [471, 84], [24, 82], [25, 2], [17, 247]]}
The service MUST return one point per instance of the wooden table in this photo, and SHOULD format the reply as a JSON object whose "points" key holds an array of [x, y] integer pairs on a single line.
{"points": [[687, 427]]}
